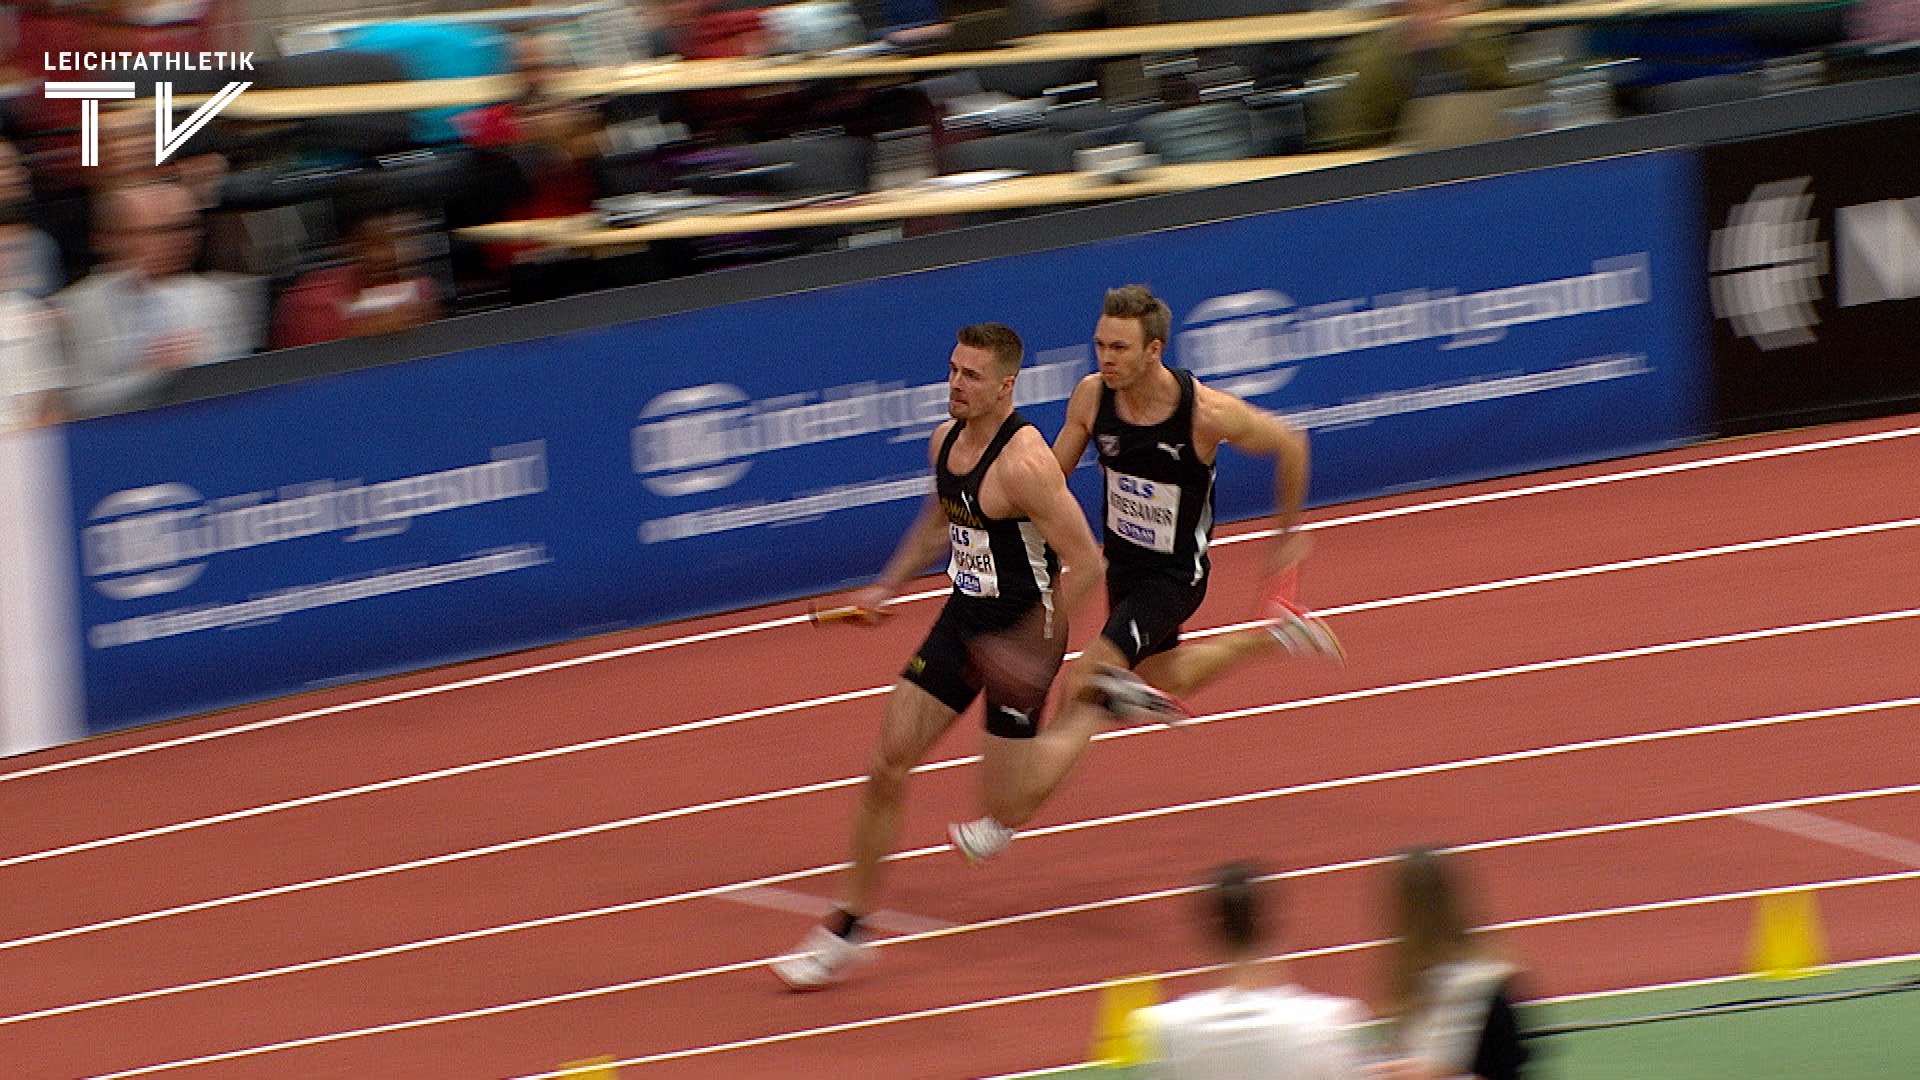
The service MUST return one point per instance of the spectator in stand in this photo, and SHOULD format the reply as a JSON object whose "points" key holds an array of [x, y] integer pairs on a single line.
{"points": [[126, 157], [35, 259], [430, 49], [126, 160], [30, 368], [140, 316], [381, 288], [556, 139], [1426, 52], [715, 30], [1255, 1023], [623, 31], [11, 73], [551, 146], [1450, 990], [127, 152]]}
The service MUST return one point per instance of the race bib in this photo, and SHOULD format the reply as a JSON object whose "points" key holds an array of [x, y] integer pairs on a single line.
{"points": [[1145, 512], [971, 567]]}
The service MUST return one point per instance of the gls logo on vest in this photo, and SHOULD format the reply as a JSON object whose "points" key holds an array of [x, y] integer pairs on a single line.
{"points": [[166, 137]]}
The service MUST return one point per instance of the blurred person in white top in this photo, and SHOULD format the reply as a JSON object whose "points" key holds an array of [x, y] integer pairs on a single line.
{"points": [[1255, 1023], [141, 316], [30, 370]]}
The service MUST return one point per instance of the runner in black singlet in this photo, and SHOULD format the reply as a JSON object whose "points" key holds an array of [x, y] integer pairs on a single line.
{"points": [[1157, 431], [1003, 574], [1159, 520], [1021, 558]]}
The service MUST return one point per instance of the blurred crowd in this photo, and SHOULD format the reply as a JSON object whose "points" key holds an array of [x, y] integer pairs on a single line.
{"points": [[259, 235], [1446, 1005]]}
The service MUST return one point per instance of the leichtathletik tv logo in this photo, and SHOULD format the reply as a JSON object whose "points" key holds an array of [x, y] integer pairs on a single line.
{"points": [[1766, 265], [167, 135]]}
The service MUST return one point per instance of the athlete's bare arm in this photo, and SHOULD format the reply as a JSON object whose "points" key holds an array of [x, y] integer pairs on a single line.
{"points": [[1223, 418], [1077, 431], [922, 543], [1028, 477]]}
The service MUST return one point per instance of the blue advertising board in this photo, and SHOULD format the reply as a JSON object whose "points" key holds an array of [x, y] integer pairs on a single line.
{"points": [[512, 495]]}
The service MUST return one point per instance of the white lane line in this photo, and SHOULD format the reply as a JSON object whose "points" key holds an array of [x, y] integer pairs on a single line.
{"points": [[1511, 757], [1841, 834], [1641, 563], [437, 774], [468, 769], [391, 699], [1555, 486], [818, 907], [507, 1008], [766, 884], [844, 782], [792, 620], [1610, 656]]}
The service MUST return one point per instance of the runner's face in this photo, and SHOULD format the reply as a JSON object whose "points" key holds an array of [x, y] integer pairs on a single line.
{"points": [[1123, 351], [974, 384]]}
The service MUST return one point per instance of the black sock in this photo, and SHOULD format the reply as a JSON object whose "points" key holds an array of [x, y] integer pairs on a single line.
{"points": [[844, 923]]}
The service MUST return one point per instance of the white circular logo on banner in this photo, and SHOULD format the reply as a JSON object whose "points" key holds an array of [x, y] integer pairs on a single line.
{"points": [[141, 542], [693, 440], [1237, 343]]}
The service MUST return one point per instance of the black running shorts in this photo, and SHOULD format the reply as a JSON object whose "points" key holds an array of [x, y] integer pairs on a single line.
{"points": [[1146, 609], [981, 648]]}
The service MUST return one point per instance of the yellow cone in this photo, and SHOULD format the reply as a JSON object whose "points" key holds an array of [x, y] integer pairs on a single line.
{"points": [[600, 1068], [1787, 943], [1115, 1044]]}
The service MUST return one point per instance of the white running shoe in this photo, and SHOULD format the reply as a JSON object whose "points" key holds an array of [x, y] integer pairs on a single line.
{"points": [[981, 839], [822, 959], [1304, 634], [1129, 698]]}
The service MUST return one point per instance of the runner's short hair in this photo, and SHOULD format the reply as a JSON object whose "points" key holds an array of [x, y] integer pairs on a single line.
{"points": [[1234, 909], [1138, 302], [1001, 341]]}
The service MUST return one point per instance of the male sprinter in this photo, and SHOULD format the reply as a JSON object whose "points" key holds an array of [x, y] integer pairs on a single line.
{"points": [[1158, 431], [1022, 560]]}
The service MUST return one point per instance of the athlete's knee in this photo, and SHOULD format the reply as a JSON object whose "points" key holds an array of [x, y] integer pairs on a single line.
{"points": [[1104, 650], [1074, 678], [1169, 671], [888, 772]]}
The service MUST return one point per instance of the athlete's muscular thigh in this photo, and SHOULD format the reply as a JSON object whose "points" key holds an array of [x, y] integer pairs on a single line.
{"points": [[915, 720]]}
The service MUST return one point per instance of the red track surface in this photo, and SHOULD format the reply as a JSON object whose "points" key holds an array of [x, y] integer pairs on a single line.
{"points": [[170, 911]]}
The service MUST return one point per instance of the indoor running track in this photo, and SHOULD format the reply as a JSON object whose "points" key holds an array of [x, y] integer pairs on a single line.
{"points": [[1640, 695]]}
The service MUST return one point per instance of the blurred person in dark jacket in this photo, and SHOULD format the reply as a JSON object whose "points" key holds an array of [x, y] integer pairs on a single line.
{"points": [[1425, 52], [542, 152]]}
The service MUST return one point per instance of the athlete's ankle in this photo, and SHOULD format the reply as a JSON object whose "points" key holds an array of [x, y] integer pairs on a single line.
{"points": [[844, 923]]}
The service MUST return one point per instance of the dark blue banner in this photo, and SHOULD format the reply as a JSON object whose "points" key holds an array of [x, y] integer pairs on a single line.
{"points": [[514, 495]]}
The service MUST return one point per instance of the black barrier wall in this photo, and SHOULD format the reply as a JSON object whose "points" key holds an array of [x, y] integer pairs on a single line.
{"points": [[1813, 257]]}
